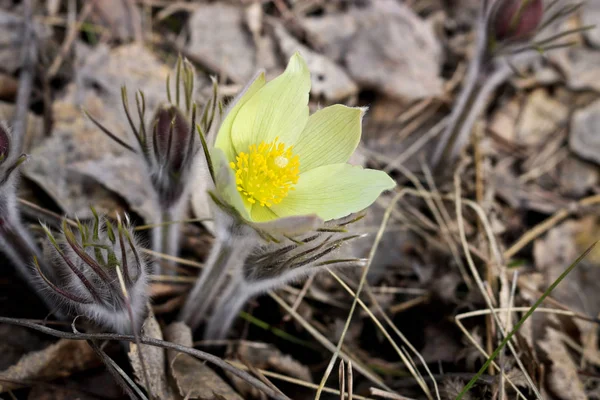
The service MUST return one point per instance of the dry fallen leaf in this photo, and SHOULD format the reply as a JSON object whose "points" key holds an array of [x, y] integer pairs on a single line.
{"points": [[154, 359], [584, 139], [58, 360], [563, 378], [194, 379]]}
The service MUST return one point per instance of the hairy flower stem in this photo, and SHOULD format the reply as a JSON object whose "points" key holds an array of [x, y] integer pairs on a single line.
{"points": [[17, 243], [226, 310], [165, 237], [230, 250]]}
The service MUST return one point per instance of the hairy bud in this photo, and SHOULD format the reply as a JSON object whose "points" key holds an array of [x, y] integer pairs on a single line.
{"points": [[173, 148], [8, 159], [255, 266], [97, 271], [4, 144], [517, 19]]}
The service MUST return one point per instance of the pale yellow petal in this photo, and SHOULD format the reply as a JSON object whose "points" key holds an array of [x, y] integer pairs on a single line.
{"points": [[226, 186], [279, 109], [262, 213], [223, 140], [330, 137], [334, 191]]}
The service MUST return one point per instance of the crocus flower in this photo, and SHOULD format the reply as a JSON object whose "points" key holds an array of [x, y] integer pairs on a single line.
{"points": [[283, 162], [281, 175]]}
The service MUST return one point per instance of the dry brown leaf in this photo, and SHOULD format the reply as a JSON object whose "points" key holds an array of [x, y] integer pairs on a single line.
{"points": [[58, 360], [563, 377], [194, 379], [154, 359]]}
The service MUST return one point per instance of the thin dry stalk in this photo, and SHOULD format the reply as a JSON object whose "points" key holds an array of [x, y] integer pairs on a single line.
{"points": [[327, 344], [363, 278]]}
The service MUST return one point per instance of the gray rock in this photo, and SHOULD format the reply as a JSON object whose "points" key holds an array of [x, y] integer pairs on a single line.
{"points": [[386, 47], [219, 39], [580, 67], [327, 78], [584, 138], [590, 15]]}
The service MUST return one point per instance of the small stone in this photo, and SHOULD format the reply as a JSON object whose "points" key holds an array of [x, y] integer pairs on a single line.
{"points": [[590, 15], [218, 38], [385, 47], [583, 138], [541, 116], [577, 177], [580, 67], [328, 80]]}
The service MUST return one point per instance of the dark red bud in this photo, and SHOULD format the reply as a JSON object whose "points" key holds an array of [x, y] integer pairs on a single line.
{"points": [[517, 19], [4, 144], [171, 136]]}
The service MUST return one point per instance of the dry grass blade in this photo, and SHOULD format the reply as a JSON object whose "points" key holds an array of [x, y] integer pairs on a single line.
{"points": [[326, 343], [405, 359], [342, 379], [151, 342], [531, 310], [300, 382], [363, 278], [478, 280]]}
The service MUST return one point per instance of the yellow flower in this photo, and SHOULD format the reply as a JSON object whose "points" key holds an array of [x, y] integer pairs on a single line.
{"points": [[281, 162]]}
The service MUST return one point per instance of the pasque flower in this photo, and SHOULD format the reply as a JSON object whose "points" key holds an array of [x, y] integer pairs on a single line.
{"points": [[282, 182], [97, 271], [284, 162]]}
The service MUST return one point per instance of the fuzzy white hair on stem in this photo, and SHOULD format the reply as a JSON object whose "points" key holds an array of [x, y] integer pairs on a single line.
{"points": [[243, 265], [96, 270]]}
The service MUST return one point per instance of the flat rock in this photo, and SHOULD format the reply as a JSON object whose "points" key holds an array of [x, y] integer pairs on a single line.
{"points": [[577, 177], [580, 66], [584, 139], [219, 39], [328, 80], [386, 47], [590, 15]]}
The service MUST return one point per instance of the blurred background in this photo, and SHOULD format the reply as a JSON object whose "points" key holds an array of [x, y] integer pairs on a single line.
{"points": [[525, 177]]}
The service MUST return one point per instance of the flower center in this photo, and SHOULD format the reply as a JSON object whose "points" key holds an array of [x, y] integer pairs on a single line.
{"points": [[266, 173]]}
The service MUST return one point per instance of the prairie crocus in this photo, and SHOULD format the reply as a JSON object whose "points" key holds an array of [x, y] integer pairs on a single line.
{"points": [[97, 271], [15, 241], [168, 148], [283, 162], [281, 177]]}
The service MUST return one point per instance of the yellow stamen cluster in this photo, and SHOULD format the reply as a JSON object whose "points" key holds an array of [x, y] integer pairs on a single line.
{"points": [[266, 173]]}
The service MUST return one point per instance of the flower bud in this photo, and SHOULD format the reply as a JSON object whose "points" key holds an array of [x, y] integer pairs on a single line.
{"points": [[4, 144], [173, 147], [96, 270], [516, 19]]}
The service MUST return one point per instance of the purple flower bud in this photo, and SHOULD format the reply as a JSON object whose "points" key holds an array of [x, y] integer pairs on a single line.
{"points": [[517, 19], [172, 136], [97, 270], [4, 144]]}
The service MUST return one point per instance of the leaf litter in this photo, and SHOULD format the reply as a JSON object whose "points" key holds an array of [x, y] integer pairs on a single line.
{"points": [[534, 171]]}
